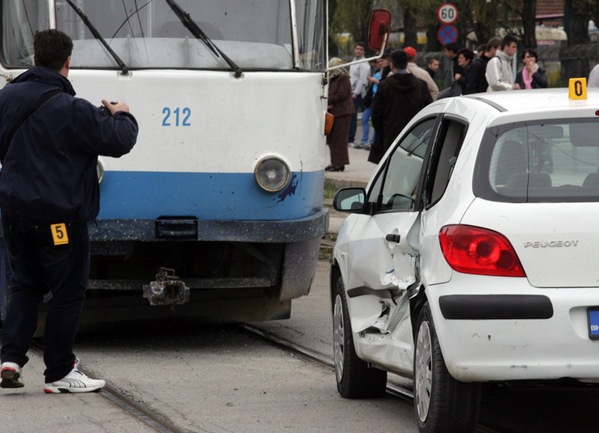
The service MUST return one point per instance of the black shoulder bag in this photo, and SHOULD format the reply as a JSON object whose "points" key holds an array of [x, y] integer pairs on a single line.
{"points": [[11, 133]]}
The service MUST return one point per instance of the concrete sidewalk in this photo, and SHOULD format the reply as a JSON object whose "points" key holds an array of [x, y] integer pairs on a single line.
{"points": [[28, 409], [357, 173]]}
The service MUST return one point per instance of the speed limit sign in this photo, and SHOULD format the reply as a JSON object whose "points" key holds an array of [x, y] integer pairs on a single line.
{"points": [[447, 13]]}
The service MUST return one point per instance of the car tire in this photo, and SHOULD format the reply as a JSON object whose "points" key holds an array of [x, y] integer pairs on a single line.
{"points": [[355, 379], [441, 403]]}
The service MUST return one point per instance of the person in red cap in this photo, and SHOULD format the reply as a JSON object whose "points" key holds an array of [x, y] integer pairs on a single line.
{"points": [[411, 52], [421, 73]]}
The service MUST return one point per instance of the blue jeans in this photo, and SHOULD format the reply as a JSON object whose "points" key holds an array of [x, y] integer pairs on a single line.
{"points": [[366, 126], [40, 267]]}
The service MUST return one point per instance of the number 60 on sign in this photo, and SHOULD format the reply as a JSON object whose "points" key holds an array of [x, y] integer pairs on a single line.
{"points": [[447, 13]]}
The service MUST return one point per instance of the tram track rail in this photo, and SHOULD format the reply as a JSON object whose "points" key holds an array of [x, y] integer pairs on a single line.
{"points": [[160, 424], [393, 389], [127, 404]]}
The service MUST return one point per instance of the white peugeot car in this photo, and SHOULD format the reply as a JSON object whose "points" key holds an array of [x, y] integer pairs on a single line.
{"points": [[473, 254]]}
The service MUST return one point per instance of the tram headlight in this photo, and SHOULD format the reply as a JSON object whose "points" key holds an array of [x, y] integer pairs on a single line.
{"points": [[272, 174]]}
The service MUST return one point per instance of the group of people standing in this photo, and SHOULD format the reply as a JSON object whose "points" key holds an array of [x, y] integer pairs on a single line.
{"points": [[494, 69], [390, 97], [398, 88]]}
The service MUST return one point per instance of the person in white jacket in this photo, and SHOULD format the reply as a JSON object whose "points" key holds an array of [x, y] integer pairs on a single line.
{"points": [[594, 77], [358, 75], [501, 74]]}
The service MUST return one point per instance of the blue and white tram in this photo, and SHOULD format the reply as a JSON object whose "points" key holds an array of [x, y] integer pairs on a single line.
{"points": [[218, 210], [219, 207]]}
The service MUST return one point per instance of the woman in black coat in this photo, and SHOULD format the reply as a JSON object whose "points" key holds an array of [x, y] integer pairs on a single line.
{"points": [[465, 79], [531, 76], [340, 105]]}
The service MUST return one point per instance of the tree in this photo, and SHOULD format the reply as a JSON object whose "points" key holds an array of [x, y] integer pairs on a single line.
{"points": [[529, 12], [489, 19], [419, 14], [477, 22], [410, 27], [577, 14], [333, 46], [484, 17], [352, 16]]}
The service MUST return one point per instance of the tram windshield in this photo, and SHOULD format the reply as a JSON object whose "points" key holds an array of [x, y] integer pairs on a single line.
{"points": [[138, 34]]}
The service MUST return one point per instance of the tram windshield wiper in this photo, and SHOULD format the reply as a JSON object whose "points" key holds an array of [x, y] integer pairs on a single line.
{"points": [[98, 36], [129, 16], [198, 33]]}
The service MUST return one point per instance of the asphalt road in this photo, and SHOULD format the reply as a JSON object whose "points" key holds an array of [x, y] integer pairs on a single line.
{"points": [[221, 379], [206, 379]]}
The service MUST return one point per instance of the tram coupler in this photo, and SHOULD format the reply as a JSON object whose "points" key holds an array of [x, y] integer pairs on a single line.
{"points": [[168, 289]]}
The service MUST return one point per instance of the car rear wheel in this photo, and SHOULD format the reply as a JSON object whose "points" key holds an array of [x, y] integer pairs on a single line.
{"points": [[354, 378], [442, 404]]}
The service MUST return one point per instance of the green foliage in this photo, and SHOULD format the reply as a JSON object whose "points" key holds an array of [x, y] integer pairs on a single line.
{"points": [[483, 18], [330, 188], [577, 14], [352, 17]]}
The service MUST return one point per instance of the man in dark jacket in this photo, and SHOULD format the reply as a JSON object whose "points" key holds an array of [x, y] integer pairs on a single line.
{"points": [[399, 97], [49, 147], [478, 81]]}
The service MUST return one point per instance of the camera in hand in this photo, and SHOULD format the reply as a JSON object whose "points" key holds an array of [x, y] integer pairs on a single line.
{"points": [[104, 110]]}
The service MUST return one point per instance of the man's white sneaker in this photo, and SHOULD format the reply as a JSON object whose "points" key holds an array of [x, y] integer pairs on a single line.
{"points": [[10, 373], [75, 381]]}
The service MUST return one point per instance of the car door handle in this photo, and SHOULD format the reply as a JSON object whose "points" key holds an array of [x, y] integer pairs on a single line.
{"points": [[393, 237]]}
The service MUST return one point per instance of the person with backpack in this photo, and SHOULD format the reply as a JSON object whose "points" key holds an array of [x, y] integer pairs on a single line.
{"points": [[500, 72]]}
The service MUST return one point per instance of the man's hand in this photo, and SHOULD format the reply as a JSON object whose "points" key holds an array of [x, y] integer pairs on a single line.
{"points": [[114, 107]]}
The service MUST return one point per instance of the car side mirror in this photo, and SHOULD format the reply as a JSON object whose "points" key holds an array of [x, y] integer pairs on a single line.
{"points": [[350, 200], [378, 28]]}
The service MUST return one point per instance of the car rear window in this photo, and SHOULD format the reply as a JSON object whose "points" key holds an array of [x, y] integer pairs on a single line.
{"points": [[540, 162]]}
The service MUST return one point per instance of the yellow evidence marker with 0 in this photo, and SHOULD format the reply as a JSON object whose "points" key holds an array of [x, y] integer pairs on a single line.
{"points": [[577, 88]]}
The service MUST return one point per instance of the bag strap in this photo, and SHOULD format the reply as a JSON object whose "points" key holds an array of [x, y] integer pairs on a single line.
{"points": [[11, 133]]}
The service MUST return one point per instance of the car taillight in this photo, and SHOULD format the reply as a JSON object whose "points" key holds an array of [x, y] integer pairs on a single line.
{"points": [[474, 250]]}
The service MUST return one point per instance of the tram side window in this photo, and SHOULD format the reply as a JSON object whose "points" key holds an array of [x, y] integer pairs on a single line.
{"points": [[20, 20], [311, 17]]}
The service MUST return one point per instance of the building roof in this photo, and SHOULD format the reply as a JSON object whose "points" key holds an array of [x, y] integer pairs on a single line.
{"points": [[550, 12]]}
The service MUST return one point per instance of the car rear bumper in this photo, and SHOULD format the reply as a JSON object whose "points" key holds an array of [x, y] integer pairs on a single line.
{"points": [[504, 329]]}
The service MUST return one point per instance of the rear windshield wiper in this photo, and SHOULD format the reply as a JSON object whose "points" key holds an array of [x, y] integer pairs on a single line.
{"points": [[198, 33], [98, 36]]}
